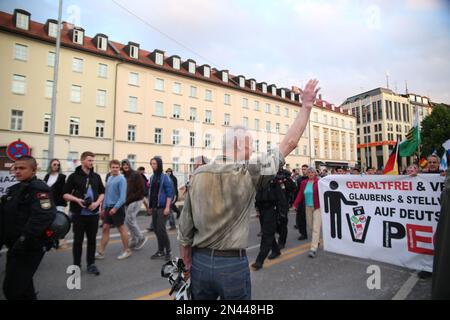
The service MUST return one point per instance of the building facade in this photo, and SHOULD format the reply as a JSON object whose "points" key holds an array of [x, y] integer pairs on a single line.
{"points": [[121, 101], [384, 117]]}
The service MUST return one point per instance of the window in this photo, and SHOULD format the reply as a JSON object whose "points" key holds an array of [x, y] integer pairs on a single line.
{"points": [[158, 135], [132, 104], [74, 126], [16, 120], [176, 63], [226, 119], [21, 52], [176, 111], [176, 88], [277, 128], [19, 85], [269, 146], [133, 78], [256, 106], [253, 85], [134, 52], [100, 128], [159, 108], [207, 72], [305, 150], [277, 110], [192, 139], [193, 114], [245, 122], [191, 67], [159, 84], [51, 57], [132, 160], [75, 94], [283, 93], [257, 145], [208, 116], [257, 124], [227, 99], [224, 76], [208, 95], [286, 128], [241, 82], [47, 120], [52, 30], [325, 119], [268, 126], [101, 98], [193, 92], [274, 91], [102, 43], [131, 133], [175, 164], [102, 71], [267, 108], [78, 36], [22, 21], [159, 58], [264, 88], [175, 137], [48, 89], [208, 140], [245, 103]]}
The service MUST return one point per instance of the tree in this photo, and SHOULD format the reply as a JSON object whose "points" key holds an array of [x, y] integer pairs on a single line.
{"points": [[436, 130]]}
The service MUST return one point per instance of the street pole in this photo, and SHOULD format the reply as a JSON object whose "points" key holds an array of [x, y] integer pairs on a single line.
{"points": [[51, 138]]}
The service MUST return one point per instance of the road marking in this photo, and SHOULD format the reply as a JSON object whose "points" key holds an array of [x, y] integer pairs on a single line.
{"points": [[285, 255], [407, 287]]}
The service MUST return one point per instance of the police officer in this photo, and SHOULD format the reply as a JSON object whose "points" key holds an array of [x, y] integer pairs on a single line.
{"points": [[27, 212], [283, 181], [270, 201]]}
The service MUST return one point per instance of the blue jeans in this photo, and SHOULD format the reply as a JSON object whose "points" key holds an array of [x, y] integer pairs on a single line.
{"points": [[225, 277]]}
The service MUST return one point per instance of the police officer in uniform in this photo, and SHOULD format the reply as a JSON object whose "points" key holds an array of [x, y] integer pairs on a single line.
{"points": [[270, 202], [27, 212]]}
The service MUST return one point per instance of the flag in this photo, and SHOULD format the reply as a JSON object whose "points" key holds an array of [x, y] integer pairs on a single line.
{"points": [[410, 145], [423, 162], [443, 166], [391, 166]]}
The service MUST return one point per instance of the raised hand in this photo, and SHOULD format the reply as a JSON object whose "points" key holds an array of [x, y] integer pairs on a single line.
{"points": [[309, 93]]}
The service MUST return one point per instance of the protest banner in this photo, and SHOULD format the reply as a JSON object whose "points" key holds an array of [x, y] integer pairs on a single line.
{"points": [[6, 180], [388, 218]]}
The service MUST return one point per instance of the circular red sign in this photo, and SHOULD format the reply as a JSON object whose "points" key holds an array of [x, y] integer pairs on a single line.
{"points": [[17, 149]]}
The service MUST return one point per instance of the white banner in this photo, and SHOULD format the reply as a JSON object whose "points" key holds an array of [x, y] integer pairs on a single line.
{"points": [[6, 181], [386, 218]]}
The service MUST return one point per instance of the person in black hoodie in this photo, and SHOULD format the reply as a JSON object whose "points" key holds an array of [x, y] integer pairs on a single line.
{"points": [[56, 180], [85, 191], [159, 201]]}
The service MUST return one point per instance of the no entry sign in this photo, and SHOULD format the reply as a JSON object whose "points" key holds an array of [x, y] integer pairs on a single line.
{"points": [[17, 149]]}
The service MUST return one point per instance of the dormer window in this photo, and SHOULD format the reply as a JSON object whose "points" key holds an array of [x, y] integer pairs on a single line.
{"points": [[52, 29], [134, 52], [224, 76], [159, 58], [292, 96], [206, 71], [264, 88], [102, 43], [191, 67], [283, 93], [241, 82], [274, 90], [78, 36], [176, 63], [253, 85], [22, 19]]}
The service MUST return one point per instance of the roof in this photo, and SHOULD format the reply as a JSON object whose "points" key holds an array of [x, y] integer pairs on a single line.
{"points": [[38, 31]]}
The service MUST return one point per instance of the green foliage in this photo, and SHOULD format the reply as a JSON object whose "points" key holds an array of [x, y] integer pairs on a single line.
{"points": [[436, 130]]}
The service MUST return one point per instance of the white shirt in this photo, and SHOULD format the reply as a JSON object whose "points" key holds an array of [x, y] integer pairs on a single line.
{"points": [[52, 179]]}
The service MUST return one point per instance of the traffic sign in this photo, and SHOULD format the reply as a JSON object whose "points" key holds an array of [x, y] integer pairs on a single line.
{"points": [[17, 149]]}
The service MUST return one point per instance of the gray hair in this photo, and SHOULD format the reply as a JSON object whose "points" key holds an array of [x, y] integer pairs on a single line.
{"points": [[311, 169], [232, 135]]}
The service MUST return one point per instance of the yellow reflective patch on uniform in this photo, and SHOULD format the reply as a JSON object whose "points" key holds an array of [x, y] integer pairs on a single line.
{"points": [[45, 204]]}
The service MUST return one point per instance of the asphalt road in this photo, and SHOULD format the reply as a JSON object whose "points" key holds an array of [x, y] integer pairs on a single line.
{"points": [[291, 276]]}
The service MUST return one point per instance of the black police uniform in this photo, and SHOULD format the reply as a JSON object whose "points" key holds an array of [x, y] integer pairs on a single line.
{"points": [[27, 211], [282, 207], [269, 201]]}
